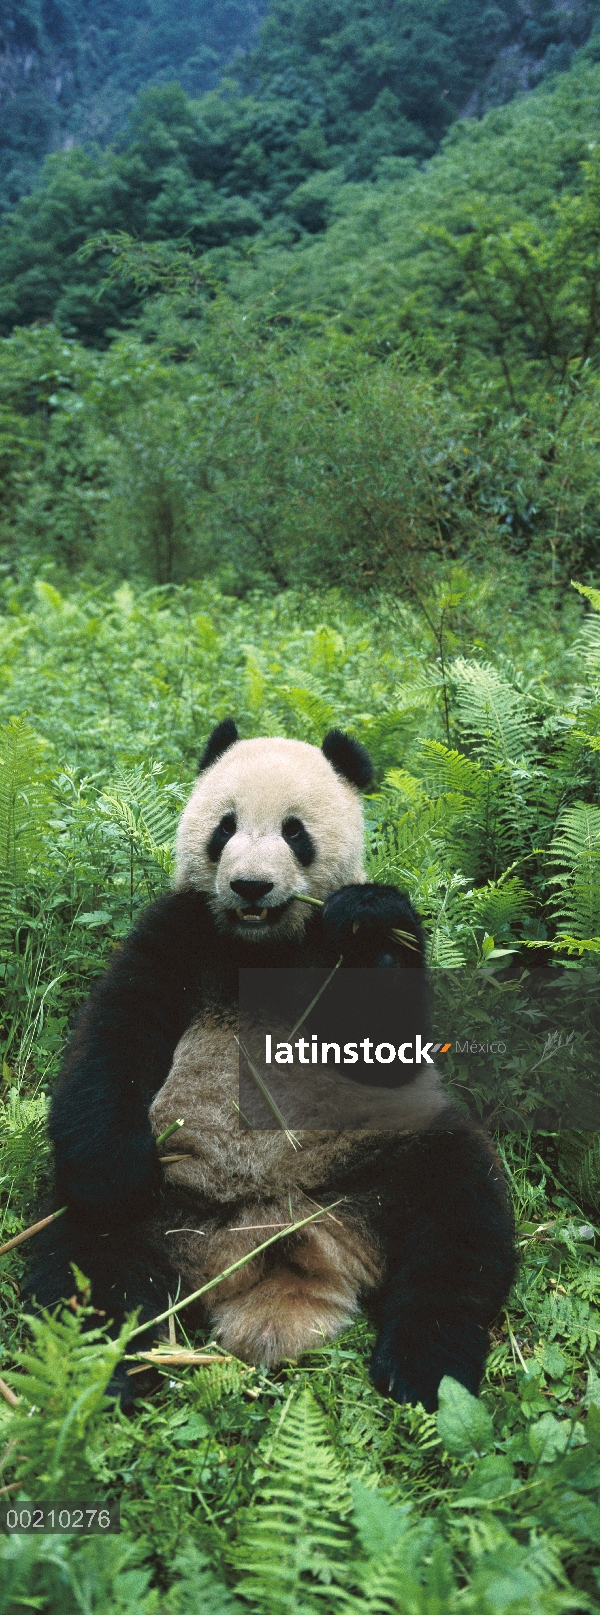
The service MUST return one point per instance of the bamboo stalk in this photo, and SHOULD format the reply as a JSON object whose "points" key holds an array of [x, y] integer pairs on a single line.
{"points": [[9, 1396], [27, 1233], [179, 1359], [273, 1106], [316, 998], [291, 1228], [162, 1137]]}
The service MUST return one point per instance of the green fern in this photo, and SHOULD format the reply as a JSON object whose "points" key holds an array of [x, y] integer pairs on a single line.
{"points": [[24, 1145], [496, 718], [500, 905], [221, 1379], [576, 846], [312, 713], [198, 1590], [61, 1381], [406, 1567], [146, 811], [294, 1540], [447, 770], [400, 848]]}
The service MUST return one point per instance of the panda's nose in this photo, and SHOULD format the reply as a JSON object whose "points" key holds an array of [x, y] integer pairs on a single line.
{"points": [[252, 890]]}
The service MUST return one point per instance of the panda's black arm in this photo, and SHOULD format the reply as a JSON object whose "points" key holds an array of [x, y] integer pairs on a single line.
{"points": [[451, 1262], [120, 1055]]}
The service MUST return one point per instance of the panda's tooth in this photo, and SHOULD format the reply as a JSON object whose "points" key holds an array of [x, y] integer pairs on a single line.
{"points": [[263, 914]]}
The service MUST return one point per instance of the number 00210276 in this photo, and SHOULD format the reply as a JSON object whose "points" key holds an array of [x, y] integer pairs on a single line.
{"points": [[99, 1519]]}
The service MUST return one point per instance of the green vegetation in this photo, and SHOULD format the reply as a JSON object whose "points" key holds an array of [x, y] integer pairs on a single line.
{"points": [[329, 83], [304, 1489], [71, 69], [299, 422]]}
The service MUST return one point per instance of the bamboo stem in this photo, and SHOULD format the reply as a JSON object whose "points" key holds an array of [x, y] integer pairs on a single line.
{"points": [[162, 1137], [9, 1396], [27, 1233], [291, 1228], [181, 1359], [273, 1106]]}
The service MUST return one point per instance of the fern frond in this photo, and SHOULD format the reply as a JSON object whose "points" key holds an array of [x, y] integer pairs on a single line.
{"points": [[579, 1156], [312, 712], [407, 786], [24, 1145], [447, 771], [198, 1588], [496, 718], [500, 905], [402, 847], [577, 847], [212, 1384], [406, 1565], [62, 1382], [294, 1537], [586, 650], [146, 811]]}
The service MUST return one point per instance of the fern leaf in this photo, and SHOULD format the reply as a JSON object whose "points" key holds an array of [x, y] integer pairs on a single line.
{"points": [[294, 1538], [500, 905], [400, 848], [24, 1146], [407, 1567], [64, 1375], [577, 847], [146, 811], [198, 1590], [313, 714], [579, 1155], [496, 717], [447, 770]]}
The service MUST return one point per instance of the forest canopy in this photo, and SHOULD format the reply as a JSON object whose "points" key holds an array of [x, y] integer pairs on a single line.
{"points": [[172, 407]]}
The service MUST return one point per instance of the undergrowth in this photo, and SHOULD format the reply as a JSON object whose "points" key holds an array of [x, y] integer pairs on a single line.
{"points": [[304, 1490]]}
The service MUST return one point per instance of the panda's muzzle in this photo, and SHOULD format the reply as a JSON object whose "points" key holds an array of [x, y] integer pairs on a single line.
{"points": [[253, 912]]}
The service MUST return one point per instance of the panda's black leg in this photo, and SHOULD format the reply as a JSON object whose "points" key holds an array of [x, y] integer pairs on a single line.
{"points": [[451, 1262], [123, 1278]]}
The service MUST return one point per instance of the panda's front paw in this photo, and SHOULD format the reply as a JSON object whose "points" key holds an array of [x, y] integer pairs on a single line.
{"points": [[361, 921], [410, 1368]]}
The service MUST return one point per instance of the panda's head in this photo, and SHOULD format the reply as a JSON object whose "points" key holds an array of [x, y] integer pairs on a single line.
{"points": [[268, 819]]}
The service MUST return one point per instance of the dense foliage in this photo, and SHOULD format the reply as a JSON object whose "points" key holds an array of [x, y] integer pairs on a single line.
{"points": [[364, 80], [70, 70], [417, 383], [305, 1490]]}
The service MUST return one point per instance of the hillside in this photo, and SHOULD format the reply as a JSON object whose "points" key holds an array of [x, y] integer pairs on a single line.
{"points": [[69, 69], [360, 81]]}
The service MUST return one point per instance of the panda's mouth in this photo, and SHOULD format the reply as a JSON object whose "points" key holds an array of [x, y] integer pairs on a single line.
{"points": [[253, 914]]}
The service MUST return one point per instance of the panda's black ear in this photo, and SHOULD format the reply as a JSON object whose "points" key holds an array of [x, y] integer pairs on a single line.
{"points": [[221, 739], [348, 758]]}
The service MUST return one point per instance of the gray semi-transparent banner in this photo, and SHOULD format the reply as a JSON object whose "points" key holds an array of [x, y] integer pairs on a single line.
{"points": [[394, 1049]]}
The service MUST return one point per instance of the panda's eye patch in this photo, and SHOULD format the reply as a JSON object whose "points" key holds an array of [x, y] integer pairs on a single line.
{"points": [[219, 838], [298, 838]]}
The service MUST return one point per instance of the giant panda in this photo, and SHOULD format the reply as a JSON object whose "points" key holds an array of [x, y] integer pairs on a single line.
{"points": [[421, 1236]]}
